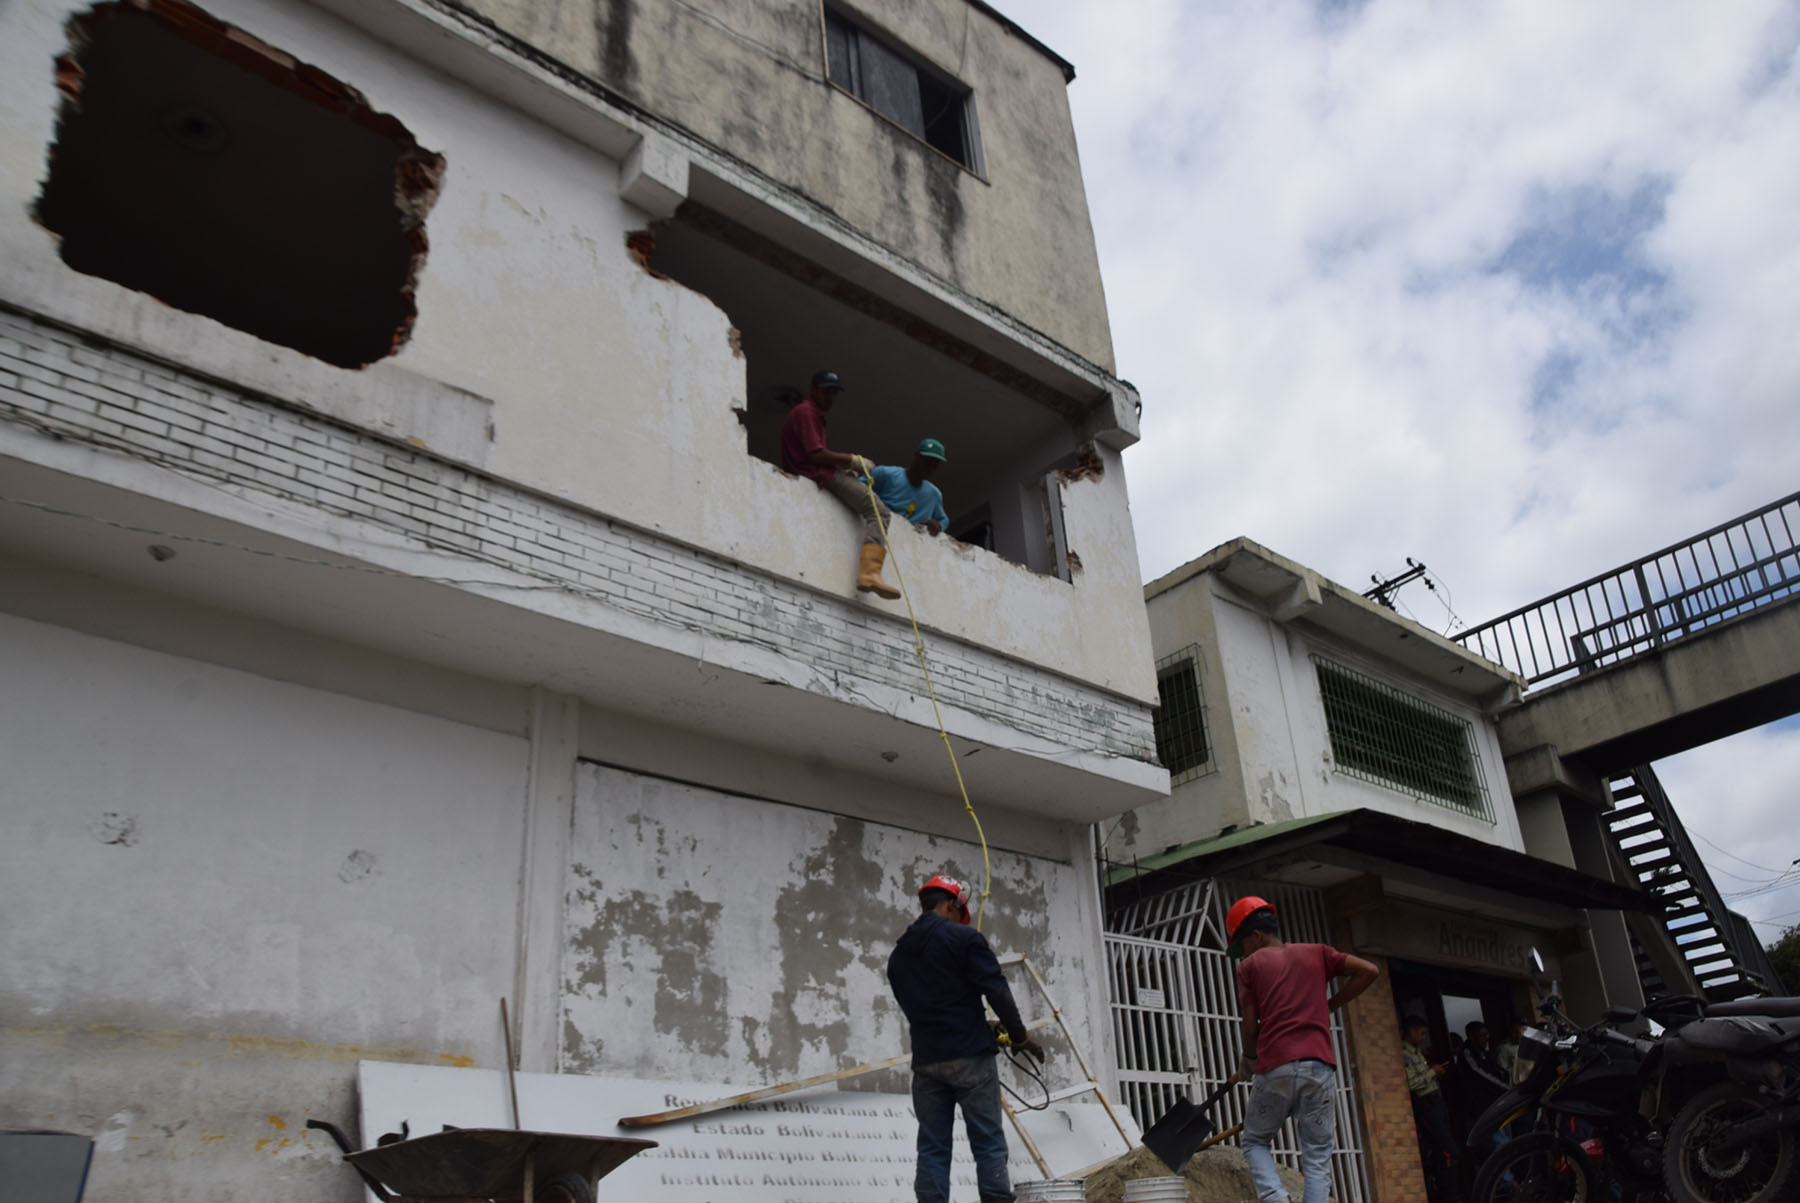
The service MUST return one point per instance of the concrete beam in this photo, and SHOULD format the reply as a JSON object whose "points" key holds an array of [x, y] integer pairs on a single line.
{"points": [[1543, 769], [1303, 598], [654, 176], [1730, 678]]}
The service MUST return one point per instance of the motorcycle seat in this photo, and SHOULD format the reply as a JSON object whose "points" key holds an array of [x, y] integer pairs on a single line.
{"points": [[1738, 1035], [1773, 1008]]}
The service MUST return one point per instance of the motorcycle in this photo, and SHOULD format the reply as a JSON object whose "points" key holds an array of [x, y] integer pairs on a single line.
{"points": [[1578, 1091], [1727, 1088]]}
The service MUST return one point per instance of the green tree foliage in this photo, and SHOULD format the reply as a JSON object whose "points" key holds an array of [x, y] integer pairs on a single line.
{"points": [[1785, 953]]}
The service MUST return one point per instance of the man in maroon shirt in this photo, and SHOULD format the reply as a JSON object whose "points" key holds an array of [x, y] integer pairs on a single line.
{"points": [[804, 452], [1287, 1043]]}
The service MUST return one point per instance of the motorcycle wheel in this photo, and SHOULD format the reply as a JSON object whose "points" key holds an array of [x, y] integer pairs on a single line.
{"points": [[1539, 1168], [1767, 1170]]}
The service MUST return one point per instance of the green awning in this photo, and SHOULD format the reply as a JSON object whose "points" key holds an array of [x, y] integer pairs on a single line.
{"points": [[1375, 837]]}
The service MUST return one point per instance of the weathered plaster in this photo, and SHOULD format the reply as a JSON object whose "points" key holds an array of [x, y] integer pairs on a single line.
{"points": [[750, 79], [709, 932], [545, 355]]}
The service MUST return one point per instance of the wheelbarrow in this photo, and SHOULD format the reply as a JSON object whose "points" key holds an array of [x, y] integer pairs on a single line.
{"points": [[486, 1165]]}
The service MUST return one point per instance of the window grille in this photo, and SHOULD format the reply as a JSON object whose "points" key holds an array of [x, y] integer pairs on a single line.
{"points": [[1381, 734], [1183, 743]]}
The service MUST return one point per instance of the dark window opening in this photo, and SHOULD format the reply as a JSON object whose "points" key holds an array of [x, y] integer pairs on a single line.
{"points": [[1182, 742], [924, 102], [1014, 447], [222, 177], [1380, 734]]}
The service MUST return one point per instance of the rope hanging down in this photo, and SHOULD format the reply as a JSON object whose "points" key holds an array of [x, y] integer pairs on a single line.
{"points": [[987, 872]]}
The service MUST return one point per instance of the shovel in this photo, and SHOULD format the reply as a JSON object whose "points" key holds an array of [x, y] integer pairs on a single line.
{"points": [[1184, 1129]]}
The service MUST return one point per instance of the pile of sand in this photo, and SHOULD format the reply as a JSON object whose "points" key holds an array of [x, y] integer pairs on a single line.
{"points": [[1215, 1175]]}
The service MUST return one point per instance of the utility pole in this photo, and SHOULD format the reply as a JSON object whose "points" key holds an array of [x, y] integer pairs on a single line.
{"points": [[1383, 592]]}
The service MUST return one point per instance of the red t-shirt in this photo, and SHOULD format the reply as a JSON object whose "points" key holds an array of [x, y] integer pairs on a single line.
{"points": [[1287, 983], [802, 433]]}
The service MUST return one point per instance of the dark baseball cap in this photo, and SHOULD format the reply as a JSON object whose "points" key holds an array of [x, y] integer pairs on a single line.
{"points": [[932, 449], [823, 379]]}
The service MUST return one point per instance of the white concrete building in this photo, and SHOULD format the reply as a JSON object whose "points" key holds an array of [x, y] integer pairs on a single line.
{"points": [[1343, 762], [399, 610]]}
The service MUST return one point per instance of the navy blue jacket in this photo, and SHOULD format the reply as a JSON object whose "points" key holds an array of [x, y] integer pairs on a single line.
{"points": [[940, 972]]}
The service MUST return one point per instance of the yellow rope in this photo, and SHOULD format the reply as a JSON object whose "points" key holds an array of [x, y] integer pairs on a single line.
{"points": [[987, 871]]}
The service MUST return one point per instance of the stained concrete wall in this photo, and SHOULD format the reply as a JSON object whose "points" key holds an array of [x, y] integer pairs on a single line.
{"points": [[544, 355], [750, 77], [1271, 744], [719, 938], [221, 891], [224, 888]]}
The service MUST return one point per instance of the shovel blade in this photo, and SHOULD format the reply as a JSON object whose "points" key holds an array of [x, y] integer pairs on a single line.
{"points": [[1178, 1134]]}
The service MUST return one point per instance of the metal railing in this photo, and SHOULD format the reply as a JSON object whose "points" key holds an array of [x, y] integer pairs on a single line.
{"points": [[1732, 569]]}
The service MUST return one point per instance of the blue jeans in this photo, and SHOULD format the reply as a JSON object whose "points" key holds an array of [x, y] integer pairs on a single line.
{"points": [[937, 1089], [1302, 1089]]}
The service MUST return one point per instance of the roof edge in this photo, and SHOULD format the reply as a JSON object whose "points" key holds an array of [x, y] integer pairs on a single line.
{"points": [[1011, 26]]}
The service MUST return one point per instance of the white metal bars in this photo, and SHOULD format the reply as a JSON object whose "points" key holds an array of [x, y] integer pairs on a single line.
{"points": [[1176, 1030]]}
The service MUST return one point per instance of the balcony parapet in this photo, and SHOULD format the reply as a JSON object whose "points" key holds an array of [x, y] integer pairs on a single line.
{"points": [[90, 396]]}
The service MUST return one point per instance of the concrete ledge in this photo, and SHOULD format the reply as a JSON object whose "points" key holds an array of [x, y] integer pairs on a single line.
{"points": [[1543, 770], [654, 176]]}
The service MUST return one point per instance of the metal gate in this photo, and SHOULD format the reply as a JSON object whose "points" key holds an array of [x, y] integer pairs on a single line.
{"points": [[1176, 1034]]}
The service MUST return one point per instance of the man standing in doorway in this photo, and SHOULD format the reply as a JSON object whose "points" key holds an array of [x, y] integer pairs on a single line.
{"points": [[1437, 1143], [804, 452], [1287, 1043], [1479, 1072], [940, 971]]}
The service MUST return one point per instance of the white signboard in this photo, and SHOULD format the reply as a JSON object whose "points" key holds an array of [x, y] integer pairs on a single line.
{"points": [[1151, 999], [817, 1146]]}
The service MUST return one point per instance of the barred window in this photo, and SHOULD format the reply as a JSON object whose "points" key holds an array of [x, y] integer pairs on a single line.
{"points": [[1182, 741], [1381, 734]]}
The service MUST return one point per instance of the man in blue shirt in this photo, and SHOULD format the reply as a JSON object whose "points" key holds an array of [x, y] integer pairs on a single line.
{"points": [[909, 492], [941, 969]]}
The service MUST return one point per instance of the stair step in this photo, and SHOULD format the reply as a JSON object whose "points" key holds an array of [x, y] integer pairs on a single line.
{"points": [[1625, 793]]}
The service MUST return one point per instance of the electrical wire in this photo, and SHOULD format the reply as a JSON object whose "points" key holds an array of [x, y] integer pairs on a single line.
{"points": [[1734, 856], [1024, 1066]]}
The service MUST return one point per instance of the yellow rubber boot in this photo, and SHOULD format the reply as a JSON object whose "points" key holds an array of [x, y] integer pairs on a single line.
{"points": [[868, 576]]}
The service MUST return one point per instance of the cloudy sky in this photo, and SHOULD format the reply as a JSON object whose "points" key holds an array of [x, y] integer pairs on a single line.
{"points": [[1509, 288]]}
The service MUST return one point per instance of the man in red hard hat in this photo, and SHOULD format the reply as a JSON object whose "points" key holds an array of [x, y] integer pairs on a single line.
{"points": [[940, 970], [1287, 1043]]}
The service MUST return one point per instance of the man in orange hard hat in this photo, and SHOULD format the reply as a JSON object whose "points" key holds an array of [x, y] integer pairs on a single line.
{"points": [[1287, 1043], [940, 970]]}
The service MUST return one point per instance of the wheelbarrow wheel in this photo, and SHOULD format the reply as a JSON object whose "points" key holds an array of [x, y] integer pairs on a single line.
{"points": [[566, 1188]]}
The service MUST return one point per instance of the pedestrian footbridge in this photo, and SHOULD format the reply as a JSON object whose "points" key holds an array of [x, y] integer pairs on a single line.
{"points": [[1685, 646]]}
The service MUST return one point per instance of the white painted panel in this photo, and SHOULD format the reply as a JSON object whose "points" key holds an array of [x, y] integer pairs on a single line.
{"points": [[719, 938], [818, 1146], [196, 849]]}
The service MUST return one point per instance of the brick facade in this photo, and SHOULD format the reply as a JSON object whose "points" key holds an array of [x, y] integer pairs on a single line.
{"points": [[76, 388], [1395, 1175]]}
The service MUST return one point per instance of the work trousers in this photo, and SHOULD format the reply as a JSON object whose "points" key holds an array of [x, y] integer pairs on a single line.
{"points": [[973, 1083], [849, 488], [1302, 1089], [1437, 1145]]}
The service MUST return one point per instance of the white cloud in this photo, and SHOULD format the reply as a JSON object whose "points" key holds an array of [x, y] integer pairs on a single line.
{"points": [[1737, 798], [1299, 215], [1507, 287]]}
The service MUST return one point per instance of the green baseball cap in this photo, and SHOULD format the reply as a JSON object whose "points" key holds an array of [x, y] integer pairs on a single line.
{"points": [[932, 449]]}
